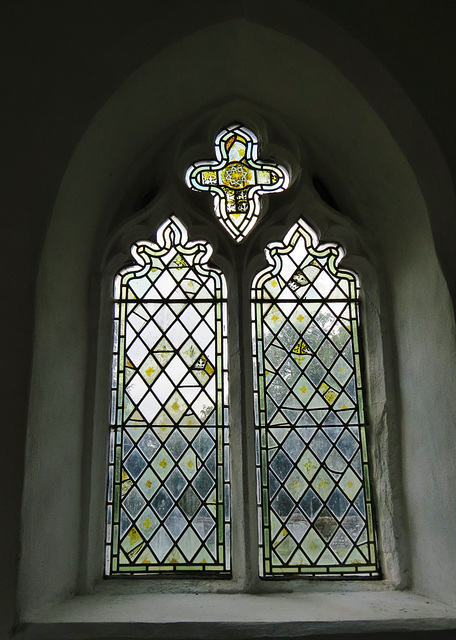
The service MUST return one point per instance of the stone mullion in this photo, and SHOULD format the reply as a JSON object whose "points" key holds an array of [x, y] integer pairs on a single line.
{"points": [[242, 435]]}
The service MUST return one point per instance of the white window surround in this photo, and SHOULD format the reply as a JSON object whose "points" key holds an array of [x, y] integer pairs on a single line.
{"points": [[388, 201], [186, 608], [245, 605]]}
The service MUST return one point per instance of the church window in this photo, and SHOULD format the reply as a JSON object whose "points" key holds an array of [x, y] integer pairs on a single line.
{"points": [[315, 511], [169, 497], [168, 478]]}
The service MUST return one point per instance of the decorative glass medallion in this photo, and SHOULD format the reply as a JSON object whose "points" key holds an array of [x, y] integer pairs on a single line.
{"points": [[168, 484], [236, 179], [315, 509]]}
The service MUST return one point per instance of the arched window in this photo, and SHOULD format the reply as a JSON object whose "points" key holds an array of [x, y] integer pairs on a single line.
{"points": [[312, 472], [168, 491], [169, 465]]}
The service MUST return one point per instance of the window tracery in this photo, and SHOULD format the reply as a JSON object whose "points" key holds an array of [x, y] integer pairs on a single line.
{"points": [[236, 179], [168, 490]]}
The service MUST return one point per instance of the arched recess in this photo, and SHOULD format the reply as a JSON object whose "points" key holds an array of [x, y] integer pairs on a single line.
{"points": [[348, 143]]}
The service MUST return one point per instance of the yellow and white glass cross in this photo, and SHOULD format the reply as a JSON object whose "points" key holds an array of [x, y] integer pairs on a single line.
{"points": [[236, 179]]}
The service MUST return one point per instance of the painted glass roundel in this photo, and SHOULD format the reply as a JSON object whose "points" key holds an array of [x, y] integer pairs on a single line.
{"points": [[237, 179]]}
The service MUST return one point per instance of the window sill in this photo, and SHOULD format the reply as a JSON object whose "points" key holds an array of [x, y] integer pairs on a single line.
{"points": [[237, 616]]}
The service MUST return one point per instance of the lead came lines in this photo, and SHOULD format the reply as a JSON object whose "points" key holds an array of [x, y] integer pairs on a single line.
{"points": [[313, 498], [166, 507]]}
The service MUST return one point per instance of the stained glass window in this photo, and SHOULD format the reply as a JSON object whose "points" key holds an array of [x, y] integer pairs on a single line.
{"points": [[236, 179], [168, 480], [315, 511]]}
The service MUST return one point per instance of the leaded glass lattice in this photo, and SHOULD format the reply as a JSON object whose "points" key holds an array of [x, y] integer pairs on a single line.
{"points": [[315, 510], [168, 483], [236, 179]]}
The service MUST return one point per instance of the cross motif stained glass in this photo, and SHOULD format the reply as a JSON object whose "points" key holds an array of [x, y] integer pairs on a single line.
{"points": [[315, 510], [236, 179], [168, 482]]}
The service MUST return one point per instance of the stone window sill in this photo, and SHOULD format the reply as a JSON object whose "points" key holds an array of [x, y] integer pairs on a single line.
{"points": [[240, 616]]}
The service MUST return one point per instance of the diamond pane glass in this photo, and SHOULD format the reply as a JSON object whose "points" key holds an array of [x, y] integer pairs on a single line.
{"points": [[236, 179], [168, 507], [314, 497]]}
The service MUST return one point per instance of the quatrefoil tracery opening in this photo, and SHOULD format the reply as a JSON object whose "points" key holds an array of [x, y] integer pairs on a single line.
{"points": [[237, 179]]}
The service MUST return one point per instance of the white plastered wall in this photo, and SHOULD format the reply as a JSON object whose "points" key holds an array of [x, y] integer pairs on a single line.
{"points": [[349, 141]]}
